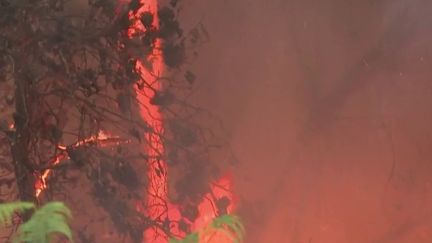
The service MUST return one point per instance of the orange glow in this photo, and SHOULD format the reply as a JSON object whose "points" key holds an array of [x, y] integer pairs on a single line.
{"points": [[102, 139], [41, 182], [157, 205], [208, 209], [157, 196]]}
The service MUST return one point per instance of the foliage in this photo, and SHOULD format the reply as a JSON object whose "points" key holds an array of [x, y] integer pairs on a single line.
{"points": [[52, 218], [7, 211], [230, 225]]}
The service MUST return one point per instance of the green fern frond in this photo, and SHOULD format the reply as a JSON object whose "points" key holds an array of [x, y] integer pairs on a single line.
{"points": [[191, 238], [52, 218], [230, 225], [7, 211]]}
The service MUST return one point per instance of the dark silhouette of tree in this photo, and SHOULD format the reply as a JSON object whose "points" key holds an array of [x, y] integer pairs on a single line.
{"points": [[72, 67]]}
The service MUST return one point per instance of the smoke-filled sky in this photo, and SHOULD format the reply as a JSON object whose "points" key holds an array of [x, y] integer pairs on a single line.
{"points": [[328, 104]]}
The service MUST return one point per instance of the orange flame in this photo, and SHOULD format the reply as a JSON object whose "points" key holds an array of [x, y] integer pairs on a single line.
{"points": [[157, 196], [157, 205], [101, 139]]}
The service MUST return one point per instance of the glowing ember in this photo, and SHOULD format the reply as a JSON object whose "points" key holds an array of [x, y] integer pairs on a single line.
{"points": [[41, 183], [102, 139]]}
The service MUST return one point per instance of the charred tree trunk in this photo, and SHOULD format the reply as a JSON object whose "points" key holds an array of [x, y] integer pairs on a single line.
{"points": [[24, 170]]}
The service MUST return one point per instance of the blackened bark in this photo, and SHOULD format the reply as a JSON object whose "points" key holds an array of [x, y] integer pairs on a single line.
{"points": [[24, 171]]}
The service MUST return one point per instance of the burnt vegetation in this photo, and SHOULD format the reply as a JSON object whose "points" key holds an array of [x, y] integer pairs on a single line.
{"points": [[71, 71]]}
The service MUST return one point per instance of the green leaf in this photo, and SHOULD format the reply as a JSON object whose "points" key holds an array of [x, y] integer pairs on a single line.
{"points": [[7, 210], [230, 225], [52, 218]]}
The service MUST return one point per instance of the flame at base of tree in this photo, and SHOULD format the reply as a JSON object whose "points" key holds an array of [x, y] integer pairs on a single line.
{"points": [[212, 225], [157, 206]]}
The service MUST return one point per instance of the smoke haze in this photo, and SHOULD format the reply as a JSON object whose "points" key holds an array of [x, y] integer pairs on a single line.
{"points": [[327, 106]]}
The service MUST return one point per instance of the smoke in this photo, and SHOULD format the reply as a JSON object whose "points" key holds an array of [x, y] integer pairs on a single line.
{"points": [[326, 104]]}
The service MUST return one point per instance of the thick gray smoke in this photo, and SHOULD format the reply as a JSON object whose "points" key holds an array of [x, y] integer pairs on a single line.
{"points": [[328, 107]]}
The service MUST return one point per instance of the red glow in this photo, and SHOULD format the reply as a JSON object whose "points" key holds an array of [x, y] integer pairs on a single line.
{"points": [[157, 206], [208, 211], [102, 139], [207, 207], [157, 196], [41, 182]]}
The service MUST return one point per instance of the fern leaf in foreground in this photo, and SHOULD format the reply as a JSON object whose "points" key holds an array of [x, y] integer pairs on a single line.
{"points": [[191, 238], [230, 225], [7, 211], [52, 218]]}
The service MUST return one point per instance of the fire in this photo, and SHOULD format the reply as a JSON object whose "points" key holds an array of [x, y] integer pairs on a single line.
{"points": [[220, 190], [102, 139], [157, 205], [41, 182]]}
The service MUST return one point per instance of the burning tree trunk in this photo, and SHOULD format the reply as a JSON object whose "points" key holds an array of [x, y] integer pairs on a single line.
{"points": [[76, 111]]}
